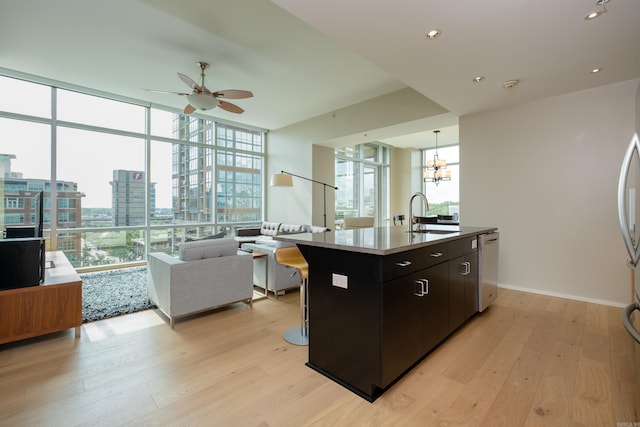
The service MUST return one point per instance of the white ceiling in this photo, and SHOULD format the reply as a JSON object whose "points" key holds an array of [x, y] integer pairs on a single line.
{"points": [[337, 54]]}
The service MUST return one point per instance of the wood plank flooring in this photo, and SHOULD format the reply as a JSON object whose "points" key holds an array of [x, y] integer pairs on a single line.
{"points": [[530, 360]]}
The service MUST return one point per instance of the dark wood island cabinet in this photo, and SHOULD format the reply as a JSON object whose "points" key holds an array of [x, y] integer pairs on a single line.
{"points": [[380, 299]]}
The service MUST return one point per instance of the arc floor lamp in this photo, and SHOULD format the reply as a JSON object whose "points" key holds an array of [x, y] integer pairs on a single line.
{"points": [[285, 179]]}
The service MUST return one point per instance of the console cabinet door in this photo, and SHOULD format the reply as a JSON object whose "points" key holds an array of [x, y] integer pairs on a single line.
{"points": [[400, 341], [457, 270], [414, 320], [463, 289], [434, 307], [471, 286]]}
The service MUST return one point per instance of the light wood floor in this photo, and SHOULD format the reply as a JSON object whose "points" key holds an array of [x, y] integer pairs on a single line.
{"points": [[530, 360]]}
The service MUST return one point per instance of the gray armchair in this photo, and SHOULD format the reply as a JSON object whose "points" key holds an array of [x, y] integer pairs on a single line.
{"points": [[207, 275]]}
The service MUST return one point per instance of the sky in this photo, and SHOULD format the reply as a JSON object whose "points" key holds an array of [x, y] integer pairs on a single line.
{"points": [[85, 157]]}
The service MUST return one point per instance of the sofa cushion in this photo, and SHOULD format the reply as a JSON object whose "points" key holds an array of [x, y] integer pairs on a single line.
{"points": [[314, 229], [290, 228], [202, 249], [269, 228], [265, 240]]}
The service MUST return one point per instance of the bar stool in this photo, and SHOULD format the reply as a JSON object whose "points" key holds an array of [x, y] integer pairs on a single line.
{"points": [[291, 257]]}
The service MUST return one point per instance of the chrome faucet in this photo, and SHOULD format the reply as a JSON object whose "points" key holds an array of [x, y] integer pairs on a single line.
{"points": [[426, 205]]}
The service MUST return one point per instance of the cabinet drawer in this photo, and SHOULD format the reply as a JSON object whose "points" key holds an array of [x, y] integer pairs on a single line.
{"points": [[400, 264], [463, 246]]}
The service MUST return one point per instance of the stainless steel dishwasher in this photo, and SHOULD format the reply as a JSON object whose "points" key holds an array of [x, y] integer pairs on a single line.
{"points": [[488, 274]]}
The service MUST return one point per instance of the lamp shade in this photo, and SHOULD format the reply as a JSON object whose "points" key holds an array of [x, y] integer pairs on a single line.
{"points": [[281, 180], [202, 101]]}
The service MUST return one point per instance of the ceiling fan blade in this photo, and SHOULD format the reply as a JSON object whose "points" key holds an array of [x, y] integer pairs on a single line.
{"points": [[193, 85], [189, 109], [232, 108], [233, 94], [166, 91]]}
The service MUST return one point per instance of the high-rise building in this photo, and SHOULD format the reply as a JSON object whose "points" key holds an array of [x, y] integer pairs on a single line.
{"points": [[192, 178], [236, 166], [19, 204], [128, 197]]}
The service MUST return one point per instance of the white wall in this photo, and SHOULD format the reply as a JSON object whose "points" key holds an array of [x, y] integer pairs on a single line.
{"points": [[288, 150], [324, 167], [546, 174], [297, 149], [400, 182]]}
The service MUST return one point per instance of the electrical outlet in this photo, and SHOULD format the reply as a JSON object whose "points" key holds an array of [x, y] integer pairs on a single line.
{"points": [[340, 281]]}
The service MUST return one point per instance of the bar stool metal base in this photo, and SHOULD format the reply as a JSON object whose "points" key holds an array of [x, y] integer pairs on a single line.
{"points": [[296, 336], [292, 258]]}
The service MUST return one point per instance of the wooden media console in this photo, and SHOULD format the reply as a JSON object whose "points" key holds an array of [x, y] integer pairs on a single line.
{"points": [[52, 306]]}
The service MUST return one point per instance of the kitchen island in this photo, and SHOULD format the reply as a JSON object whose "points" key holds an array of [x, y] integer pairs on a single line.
{"points": [[382, 298]]}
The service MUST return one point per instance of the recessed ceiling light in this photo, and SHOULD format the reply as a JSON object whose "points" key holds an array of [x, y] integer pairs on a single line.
{"points": [[596, 70], [433, 34], [478, 79], [596, 13]]}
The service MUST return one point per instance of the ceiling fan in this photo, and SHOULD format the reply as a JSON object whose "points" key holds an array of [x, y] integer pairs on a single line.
{"points": [[203, 99]]}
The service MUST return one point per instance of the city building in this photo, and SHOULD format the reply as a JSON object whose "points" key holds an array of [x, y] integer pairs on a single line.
{"points": [[128, 197], [19, 204]]}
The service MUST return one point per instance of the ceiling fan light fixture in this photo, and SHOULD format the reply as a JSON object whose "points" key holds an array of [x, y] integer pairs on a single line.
{"points": [[202, 101], [510, 84]]}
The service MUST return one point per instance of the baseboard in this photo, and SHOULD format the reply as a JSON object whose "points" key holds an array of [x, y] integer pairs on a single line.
{"points": [[561, 295]]}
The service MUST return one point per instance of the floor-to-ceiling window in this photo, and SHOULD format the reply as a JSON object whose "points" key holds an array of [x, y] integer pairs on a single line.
{"points": [[444, 197], [125, 178], [362, 178]]}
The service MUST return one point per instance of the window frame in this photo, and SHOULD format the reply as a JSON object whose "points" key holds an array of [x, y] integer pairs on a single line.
{"points": [[358, 156], [201, 135]]}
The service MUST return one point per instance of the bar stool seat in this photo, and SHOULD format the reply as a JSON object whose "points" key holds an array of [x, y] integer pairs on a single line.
{"points": [[292, 257]]}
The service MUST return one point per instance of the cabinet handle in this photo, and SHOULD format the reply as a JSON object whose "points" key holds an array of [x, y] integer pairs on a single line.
{"points": [[466, 268], [436, 254], [424, 287], [403, 263]]}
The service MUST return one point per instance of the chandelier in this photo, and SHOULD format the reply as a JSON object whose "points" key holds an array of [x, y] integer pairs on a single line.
{"points": [[436, 165]]}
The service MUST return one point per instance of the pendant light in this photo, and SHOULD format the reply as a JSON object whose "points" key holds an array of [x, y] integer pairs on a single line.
{"points": [[436, 166]]}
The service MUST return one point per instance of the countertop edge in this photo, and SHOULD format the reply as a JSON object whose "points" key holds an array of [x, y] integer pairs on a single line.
{"points": [[415, 241]]}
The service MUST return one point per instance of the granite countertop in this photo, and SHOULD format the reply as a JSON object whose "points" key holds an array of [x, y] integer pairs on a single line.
{"points": [[383, 240]]}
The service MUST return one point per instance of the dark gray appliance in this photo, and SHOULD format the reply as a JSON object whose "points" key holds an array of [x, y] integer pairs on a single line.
{"points": [[488, 274]]}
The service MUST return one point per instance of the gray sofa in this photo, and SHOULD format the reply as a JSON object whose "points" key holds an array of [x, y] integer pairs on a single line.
{"points": [[208, 274], [270, 229], [279, 278]]}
